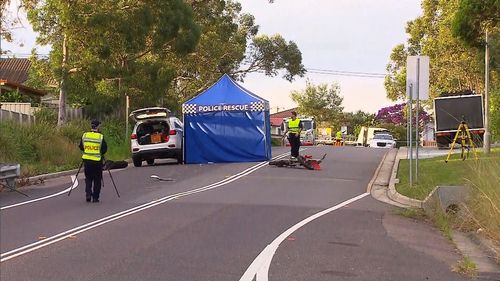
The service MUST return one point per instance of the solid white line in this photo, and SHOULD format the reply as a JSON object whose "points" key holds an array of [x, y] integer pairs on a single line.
{"points": [[259, 268], [88, 226], [75, 184]]}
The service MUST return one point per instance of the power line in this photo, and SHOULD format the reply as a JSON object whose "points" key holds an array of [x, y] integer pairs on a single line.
{"points": [[309, 70], [346, 73]]}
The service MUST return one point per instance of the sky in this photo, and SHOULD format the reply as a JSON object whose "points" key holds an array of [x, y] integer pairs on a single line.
{"points": [[334, 35]]}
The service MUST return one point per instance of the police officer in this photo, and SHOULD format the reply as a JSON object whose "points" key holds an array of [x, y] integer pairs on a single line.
{"points": [[338, 138], [293, 129], [93, 146]]}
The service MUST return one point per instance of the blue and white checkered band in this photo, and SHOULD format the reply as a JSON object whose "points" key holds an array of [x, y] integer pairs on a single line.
{"points": [[257, 106], [189, 108], [253, 106]]}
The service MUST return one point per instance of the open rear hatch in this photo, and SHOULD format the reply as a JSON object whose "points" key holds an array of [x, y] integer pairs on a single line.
{"points": [[150, 113]]}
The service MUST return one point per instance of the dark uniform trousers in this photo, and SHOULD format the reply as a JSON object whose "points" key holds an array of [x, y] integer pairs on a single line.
{"points": [[294, 140], [93, 177]]}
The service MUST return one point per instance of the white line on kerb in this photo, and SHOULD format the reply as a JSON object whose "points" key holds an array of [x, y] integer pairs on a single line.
{"points": [[77, 230], [259, 268], [73, 180]]}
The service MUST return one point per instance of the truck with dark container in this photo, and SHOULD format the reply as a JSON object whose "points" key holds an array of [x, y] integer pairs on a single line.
{"points": [[450, 111]]}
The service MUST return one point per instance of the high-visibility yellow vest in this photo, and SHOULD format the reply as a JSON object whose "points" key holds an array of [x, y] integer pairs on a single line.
{"points": [[339, 135], [293, 126], [92, 146]]}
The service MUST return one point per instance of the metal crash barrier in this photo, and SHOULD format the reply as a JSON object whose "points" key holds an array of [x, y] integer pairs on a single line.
{"points": [[8, 175]]}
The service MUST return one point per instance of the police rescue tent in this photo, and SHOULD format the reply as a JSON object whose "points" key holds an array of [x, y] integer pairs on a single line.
{"points": [[226, 123]]}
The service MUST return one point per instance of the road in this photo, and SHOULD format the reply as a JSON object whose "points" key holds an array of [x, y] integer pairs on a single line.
{"points": [[244, 221]]}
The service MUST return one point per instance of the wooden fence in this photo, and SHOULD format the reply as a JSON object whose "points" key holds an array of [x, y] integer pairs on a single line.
{"points": [[23, 113], [18, 117]]}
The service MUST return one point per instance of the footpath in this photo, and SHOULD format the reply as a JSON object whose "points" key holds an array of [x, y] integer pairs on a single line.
{"points": [[479, 250]]}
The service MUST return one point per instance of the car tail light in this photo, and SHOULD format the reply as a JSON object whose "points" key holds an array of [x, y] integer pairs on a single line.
{"points": [[173, 132], [133, 136]]}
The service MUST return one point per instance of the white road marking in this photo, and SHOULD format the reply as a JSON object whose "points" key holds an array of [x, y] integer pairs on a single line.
{"points": [[88, 226], [259, 268], [73, 180]]}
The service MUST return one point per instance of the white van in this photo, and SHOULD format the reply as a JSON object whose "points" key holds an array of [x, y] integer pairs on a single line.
{"points": [[366, 135], [308, 134]]}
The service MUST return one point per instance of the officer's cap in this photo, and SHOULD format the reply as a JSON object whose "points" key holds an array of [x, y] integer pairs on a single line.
{"points": [[95, 123]]}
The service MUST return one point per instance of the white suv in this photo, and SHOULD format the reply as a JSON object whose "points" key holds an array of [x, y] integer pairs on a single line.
{"points": [[157, 134]]}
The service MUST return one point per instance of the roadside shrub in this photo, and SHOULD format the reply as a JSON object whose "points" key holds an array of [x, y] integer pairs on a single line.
{"points": [[74, 129], [46, 115], [276, 142], [483, 209], [7, 144], [43, 148]]}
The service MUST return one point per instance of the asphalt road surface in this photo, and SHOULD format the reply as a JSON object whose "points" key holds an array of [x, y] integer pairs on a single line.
{"points": [[244, 221]]}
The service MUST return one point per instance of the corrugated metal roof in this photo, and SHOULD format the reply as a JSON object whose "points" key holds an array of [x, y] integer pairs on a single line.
{"points": [[14, 69], [8, 85]]}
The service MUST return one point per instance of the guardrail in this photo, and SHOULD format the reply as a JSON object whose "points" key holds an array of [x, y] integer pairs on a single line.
{"points": [[9, 173]]}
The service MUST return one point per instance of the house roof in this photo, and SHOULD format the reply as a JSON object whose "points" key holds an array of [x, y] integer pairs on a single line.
{"points": [[14, 70], [13, 73], [276, 121], [10, 86], [277, 118], [284, 114]]}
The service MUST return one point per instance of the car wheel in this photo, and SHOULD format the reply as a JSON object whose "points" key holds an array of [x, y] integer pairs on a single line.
{"points": [[137, 161], [150, 161], [179, 158]]}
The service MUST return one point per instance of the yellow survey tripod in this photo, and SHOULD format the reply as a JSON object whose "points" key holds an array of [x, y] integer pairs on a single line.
{"points": [[463, 135]]}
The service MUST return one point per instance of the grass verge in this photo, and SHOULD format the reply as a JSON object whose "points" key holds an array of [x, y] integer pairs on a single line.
{"points": [[467, 267], [43, 148], [482, 210]]}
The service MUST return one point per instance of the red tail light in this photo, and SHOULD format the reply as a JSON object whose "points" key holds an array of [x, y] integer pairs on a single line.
{"points": [[133, 136], [173, 132]]}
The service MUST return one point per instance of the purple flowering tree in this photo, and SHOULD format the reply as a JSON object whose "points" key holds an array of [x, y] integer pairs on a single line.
{"points": [[396, 115]]}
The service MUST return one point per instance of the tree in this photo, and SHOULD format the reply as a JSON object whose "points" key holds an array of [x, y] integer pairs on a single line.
{"points": [[453, 66], [8, 21], [355, 120], [473, 17], [321, 102], [112, 43], [230, 44], [398, 115]]}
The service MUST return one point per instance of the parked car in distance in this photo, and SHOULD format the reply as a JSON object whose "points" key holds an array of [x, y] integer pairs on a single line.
{"points": [[156, 135], [382, 140]]}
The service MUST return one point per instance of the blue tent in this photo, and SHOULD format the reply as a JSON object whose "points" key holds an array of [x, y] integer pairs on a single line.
{"points": [[226, 123]]}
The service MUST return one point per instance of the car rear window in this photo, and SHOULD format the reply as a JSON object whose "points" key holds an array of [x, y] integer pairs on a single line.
{"points": [[147, 129]]}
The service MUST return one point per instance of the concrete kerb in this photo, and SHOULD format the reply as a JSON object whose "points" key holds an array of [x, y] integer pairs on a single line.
{"points": [[40, 178], [392, 192], [482, 251], [35, 179]]}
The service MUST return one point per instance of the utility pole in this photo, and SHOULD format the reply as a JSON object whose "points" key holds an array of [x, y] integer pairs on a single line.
{"points": [[487, 133], [1, 15]]}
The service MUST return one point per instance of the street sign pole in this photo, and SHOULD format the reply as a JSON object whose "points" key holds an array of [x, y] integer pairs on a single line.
{"points": [[417, 139], [417, 75], [410, 119]]}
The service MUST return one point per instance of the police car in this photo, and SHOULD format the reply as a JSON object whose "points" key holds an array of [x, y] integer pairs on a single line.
{"points": [[156, 135]]}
